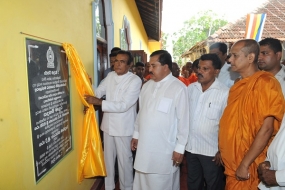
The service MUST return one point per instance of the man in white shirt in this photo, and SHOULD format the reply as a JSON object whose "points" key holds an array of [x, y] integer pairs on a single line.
{"points": [[122, 89], [207, 100], [272, 171], [161, 127], [269, 59], [226, 75]]}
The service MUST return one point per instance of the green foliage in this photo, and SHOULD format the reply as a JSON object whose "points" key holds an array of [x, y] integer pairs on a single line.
{"points": [[164, 37], [196, 29]]}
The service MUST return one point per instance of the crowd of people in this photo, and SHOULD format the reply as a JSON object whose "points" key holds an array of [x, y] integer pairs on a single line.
{"points": [[223, 113]]}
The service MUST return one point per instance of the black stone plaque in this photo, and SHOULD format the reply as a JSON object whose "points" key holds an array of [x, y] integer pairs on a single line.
{"points": [[48, 80]]}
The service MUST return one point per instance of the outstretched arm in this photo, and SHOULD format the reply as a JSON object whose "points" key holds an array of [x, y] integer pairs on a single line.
{"points": [[128, 99]]}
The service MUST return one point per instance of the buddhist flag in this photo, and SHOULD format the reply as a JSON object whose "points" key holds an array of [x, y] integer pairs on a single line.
{"points": [[254, 26]]}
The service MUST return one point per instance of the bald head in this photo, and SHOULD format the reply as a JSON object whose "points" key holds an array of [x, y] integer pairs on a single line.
{"points": [[249, 46], [244, 56]]}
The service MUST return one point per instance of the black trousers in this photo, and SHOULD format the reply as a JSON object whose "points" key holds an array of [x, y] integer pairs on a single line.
{"points": [[203, 173]]}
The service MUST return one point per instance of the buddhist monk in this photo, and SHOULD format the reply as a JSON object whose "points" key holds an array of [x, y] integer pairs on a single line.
{"points": [[176, 71], [193, 76], [252, 117]]}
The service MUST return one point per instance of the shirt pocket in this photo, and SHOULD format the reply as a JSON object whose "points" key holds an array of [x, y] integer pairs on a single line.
{"points": [[164, 105], [213, 111]]}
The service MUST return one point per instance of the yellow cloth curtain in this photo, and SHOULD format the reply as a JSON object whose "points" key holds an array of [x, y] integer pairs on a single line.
{"points": [[91, 158]]}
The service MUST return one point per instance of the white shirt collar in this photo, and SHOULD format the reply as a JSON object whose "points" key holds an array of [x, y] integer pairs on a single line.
{"points": [[119, 78], [215, 85], [165, 78], [282, 71]]}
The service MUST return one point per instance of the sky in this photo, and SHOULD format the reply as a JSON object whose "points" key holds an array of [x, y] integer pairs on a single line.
{"points": [[175, 12]]}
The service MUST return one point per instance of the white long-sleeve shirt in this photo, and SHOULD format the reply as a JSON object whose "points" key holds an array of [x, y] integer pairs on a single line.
{"points": [[162, 124], [227, 76], [119, 108], [206, 109], [280, 76], [276, 157]]}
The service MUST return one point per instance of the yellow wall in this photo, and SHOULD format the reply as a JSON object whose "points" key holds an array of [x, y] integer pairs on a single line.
{"points": [[154, 45], [62, 21], [129, 9]]}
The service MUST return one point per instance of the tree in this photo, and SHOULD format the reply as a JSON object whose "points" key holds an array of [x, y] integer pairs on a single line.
{"points": [[164, 38], [196, 29]]}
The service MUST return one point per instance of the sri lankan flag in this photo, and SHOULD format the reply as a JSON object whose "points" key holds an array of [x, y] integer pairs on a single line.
{"points": [[254, 26]]}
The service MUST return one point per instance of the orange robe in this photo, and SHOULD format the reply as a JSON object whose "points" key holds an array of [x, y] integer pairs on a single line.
{"points": [[147, 77], [184, 80], [192, 78], [250, 101]]}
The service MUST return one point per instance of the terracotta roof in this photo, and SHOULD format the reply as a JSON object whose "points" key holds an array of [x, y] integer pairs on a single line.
{"points": [[274, 27], [274, 24]]}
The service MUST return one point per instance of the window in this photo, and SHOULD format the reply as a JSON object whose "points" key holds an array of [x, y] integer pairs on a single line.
{"points": [[100, 22], [125, 35]]}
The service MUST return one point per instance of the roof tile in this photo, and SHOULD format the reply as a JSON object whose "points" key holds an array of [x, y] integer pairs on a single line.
{"points": [[274, 24]]}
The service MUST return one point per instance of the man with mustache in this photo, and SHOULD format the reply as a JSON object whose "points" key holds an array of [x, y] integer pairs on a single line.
{"points": [[122, 89], [269, 59], [207, 100], [161, 127], [251, 119]]}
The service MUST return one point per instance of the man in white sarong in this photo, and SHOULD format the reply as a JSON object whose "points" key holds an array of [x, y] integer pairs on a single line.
{"points": [[122, 89], [161, 127]]}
